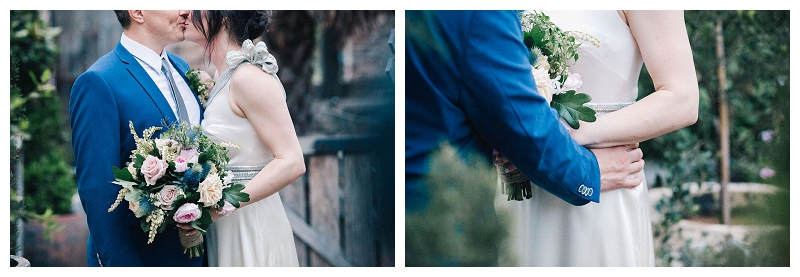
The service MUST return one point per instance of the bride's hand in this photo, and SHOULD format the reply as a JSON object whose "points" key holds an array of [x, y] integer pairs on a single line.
{"points": [[619, 166]]}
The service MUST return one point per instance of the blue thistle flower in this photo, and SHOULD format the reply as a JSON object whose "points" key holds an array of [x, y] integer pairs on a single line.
{"points": [[145, 207], [193, 175], [192, 134], [206, 168]]}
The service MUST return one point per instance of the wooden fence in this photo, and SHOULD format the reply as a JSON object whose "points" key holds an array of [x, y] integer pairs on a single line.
{"points": [[342, 209]]}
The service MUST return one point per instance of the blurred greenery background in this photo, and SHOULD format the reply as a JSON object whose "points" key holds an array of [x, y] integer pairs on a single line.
{"points": [[742, 64]]}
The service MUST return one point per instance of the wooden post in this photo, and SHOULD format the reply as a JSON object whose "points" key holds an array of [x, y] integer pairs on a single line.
{"points": [[724, 128], [324, 194], [359, 210]]}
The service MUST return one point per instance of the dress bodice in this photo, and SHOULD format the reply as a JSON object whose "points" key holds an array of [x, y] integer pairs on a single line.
{"points": [[221, 124], [609, 73]]}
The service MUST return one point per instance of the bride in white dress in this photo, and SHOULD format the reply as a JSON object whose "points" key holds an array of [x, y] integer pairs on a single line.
{"points": [[247, 107], [616, 231]]}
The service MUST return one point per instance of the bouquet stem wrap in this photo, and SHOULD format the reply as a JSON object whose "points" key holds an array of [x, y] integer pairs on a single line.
{"points": [[192, 244], [515, 184]]}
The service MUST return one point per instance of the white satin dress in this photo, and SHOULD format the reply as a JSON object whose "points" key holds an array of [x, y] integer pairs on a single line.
{"points": [[259, 234], [617, 231]]}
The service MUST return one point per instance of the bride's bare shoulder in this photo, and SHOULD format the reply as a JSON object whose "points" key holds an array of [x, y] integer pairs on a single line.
{"points": [[251, 79]]}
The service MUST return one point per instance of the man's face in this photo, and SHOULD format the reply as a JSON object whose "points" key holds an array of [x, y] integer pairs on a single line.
{"points": [[167, 26]]}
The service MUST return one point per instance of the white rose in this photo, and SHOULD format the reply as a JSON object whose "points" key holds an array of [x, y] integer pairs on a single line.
{"points": [[228, 177], [543, 83], [153, 169], [210, 190], [573, 82], [542, 63]]}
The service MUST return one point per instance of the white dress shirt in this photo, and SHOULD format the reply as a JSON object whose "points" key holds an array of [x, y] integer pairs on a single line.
{"points": [[151, 62]]}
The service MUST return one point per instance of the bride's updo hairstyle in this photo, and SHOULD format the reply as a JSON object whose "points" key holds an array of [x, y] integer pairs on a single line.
{"points": [[241, 25]]}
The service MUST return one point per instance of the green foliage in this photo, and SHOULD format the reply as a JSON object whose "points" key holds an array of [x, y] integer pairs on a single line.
{"points": [[460, 227], [33, 42], [757, 68], [554, 49], [544, 37], [569, 106], [37, 114], [765, 249], [19, 212], [234, 195], [50, 185]]}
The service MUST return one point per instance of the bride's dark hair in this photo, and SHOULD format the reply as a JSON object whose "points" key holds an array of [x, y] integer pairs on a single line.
{"points": [[241, 25]]}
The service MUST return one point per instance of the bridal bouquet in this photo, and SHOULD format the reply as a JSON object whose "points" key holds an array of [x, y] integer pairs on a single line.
{"points": [[551, 50], [177, 178]]}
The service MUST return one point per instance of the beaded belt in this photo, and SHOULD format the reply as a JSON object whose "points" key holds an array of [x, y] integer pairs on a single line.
{"points": [[604, 108], [242, 174]]}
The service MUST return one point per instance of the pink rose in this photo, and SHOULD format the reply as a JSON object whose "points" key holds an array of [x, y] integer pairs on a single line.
{"points": [[189, 154], [573, 82], [187, 213], [134, 207], [227, 209], [167, 195], [181, 164], [153, 169]]}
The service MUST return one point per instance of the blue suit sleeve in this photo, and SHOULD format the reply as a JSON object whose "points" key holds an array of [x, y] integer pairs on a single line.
{"points": [[96, 145], [505, 108]]}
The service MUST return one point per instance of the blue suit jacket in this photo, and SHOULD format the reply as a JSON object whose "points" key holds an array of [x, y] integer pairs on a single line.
{"points": [[468, 81], [115, 90]]}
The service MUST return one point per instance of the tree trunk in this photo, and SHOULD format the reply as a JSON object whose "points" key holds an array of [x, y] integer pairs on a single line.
{"points": [[724, 129]]}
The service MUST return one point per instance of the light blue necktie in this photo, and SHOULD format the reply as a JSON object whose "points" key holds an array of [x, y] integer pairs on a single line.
{"points": [[176, 94]]}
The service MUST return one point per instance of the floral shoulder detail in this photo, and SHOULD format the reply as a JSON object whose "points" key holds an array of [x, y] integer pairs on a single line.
{"points": [[254, 54]]}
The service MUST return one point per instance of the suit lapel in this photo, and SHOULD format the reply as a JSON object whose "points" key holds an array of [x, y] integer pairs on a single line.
{"points": [[147, 83]]}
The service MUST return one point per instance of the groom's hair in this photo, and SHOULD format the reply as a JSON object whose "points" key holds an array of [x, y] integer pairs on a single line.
{"points": [[124, 18]]}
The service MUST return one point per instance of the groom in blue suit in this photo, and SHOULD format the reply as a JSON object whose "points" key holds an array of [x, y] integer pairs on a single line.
{"points": [[138, 81], [469, 82]]}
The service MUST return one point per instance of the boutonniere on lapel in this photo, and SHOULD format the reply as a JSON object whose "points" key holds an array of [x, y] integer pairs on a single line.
{"points": [[201, 83]]}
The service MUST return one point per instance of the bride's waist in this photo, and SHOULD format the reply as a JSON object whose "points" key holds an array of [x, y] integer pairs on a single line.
{"points": [[604, 108], [243, 174]]}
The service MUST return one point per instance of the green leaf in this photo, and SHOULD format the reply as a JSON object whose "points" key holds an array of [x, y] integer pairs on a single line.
{"points": [[569, 106], [122, 174], [145, 226], [234, 195]]}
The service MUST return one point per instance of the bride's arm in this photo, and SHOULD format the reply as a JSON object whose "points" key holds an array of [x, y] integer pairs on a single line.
{"points": [[259, 97], [664, 44]]}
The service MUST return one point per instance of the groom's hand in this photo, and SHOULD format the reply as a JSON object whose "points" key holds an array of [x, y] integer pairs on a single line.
{"points": [[619, 166]]}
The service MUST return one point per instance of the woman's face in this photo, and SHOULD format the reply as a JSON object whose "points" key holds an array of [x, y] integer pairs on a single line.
{"points": [[193, 33]]}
